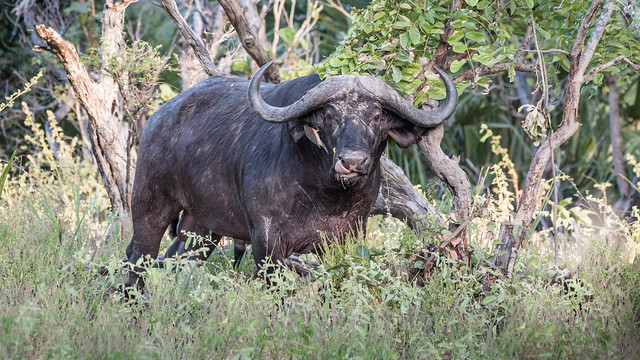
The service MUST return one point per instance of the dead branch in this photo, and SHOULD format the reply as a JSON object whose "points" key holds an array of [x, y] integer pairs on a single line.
{"points": [[301, 266], [616, 60], [584, 28], [249, 38], [103, 105], [196, 43], [398, 197]]}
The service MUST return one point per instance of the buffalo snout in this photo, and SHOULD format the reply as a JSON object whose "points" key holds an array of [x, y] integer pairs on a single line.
{"points": [[352, 163]]}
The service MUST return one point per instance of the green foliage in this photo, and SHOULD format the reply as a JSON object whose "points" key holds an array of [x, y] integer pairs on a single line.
{"points": [[136, 68], [393, 39], [27, 87], [5, 172], [398, 40]]}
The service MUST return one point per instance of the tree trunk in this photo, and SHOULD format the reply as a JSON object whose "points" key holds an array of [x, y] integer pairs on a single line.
{"points": [[398, 197], [456, 181], [616, 141], [513, 233], [109, 137]]}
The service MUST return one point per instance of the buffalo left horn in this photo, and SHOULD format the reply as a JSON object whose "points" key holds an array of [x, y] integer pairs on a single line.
{"points": [[313, 99]]}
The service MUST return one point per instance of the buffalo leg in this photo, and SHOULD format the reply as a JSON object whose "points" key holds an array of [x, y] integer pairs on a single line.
{"points": [[199, 250], [268, 249], [150, 222], [239, 248], [208, 245]]}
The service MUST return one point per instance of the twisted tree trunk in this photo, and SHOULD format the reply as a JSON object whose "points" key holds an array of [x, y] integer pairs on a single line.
{"points": [[108, 135], [514, 232]]}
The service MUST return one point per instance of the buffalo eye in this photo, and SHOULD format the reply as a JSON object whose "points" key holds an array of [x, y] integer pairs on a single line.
{"points": [[330, 117], [377, 116]]}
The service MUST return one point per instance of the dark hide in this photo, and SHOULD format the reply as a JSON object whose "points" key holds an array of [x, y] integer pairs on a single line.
{"points": [[206, 152]]}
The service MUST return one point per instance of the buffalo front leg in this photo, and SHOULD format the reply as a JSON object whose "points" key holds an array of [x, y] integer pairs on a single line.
{"points": [[150, 221], [269, 251]]}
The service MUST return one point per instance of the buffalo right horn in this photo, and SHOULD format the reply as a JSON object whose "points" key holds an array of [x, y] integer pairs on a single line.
{"points": [[391, 100]]}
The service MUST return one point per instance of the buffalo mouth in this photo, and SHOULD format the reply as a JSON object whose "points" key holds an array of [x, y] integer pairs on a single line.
{"points": [[347, 177]]}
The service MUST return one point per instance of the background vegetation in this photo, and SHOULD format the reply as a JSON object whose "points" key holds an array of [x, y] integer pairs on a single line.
{"points": [[369, 298]]}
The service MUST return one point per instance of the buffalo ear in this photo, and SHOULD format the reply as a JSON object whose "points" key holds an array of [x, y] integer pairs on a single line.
{"points": [[312, 134], [403, 137]]}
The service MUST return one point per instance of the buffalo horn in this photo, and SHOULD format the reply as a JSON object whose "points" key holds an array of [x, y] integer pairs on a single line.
{"points": [[312, 100], [391, 100], [332, 87]]}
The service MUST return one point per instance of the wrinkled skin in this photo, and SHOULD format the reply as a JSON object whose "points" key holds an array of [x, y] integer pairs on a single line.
{"points": [[207, 153]]}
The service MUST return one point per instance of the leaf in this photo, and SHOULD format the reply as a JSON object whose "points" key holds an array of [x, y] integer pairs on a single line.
{"points": [[404, 40], [362, 252], [336, 63], [530, 4], [488, 300], [287, 34], [460, 47], [396, 74], [471, 2], [457, 64], [455, 242], [458, 35], [415, 35], [475, 36], [401, 25], [5, 171], [304, 43]]}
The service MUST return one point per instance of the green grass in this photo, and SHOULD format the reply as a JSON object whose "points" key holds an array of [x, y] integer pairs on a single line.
{"points": [[53, 305]]}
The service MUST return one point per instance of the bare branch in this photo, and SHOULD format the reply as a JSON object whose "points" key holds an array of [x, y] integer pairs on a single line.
{"points": [[196, 44], [100, 101], [598, 69], [68, 56], [485, 70], [398, 197], [249, 38], [594, 39], [453, 176], [336, 4], [584, 27]]}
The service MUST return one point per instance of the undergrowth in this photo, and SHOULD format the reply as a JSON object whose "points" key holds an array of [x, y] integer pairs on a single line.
{"points": [[55, 232]]}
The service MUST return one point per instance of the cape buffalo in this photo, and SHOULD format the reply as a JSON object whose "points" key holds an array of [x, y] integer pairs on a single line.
{"points": [[284, 167]]}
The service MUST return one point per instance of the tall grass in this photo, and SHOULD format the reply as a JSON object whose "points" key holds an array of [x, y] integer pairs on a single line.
{"points": [[55, 232]]}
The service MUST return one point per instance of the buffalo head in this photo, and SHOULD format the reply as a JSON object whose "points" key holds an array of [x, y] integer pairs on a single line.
{"points": [[350, 118]]}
